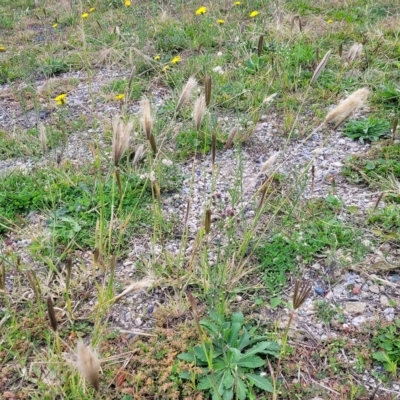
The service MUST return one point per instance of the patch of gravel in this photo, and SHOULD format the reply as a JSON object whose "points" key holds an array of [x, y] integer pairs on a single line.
{"points": [[79, 104]]}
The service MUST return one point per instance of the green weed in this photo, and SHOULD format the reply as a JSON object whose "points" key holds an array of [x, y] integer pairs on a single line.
{"points": [[375, 167], [230, 359], [300, 241], [369, 129], [387, 341]]}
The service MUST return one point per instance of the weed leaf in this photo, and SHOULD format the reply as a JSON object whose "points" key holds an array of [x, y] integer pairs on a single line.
{"points": [[260, 382], [187, 357], [251, 361]]}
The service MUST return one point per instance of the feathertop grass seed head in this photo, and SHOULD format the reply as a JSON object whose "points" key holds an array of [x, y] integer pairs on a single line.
{"points": [[270, 162], [220, 21], [147, 120], [341, 112], [42, 137], [186, 93], [207, 89], [253, 14], [354, 52], [270, 98], [85, 15], [207, 221], [52, 314], [61, 99], [139, 153], [231, 136], [301, 291], [320, 67], [88, 365], [176, 59], [120, 96], [199, 110], [201, 10], [120, 140]]}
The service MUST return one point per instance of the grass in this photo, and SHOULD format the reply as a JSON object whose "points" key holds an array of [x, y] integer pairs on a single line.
{"points": [[218, 261], [380, 169]]}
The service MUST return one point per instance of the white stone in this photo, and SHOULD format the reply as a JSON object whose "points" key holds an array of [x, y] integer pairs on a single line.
{"points": [[357, 321], [374, 289], [355, 307], [384, 301], [389, 314]]}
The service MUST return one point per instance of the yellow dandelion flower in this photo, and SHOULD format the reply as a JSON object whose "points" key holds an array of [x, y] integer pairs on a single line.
{"points": [[92, 9], [220, 21], [236, 3], [61, 99], [201, 10], [2, 48], [85, 15], [176, 59], [55, 25], [329, 21], [165, 68], [254, 14], [157, 57], [127, 3], [120, 96]]}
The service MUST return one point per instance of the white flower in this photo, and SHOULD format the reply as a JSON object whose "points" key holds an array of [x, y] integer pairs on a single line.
{"points": [[167, 162], [219, 53], [218, 69], [152, 176]]}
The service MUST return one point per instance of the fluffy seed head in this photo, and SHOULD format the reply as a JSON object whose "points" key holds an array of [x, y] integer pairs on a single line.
{"points": [[354, 52], [43, 137], [88, 365], [199, 110], [120, 141], [270, 162], [231, 136], [187, 90], [139, 153], [339, 114], [320, 68], [136, 286], [147, 120]]}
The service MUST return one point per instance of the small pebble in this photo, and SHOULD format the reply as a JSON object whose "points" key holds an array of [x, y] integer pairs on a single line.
{"points": [[355, 307], [319, 290], [389, 314], [384, 301], [357, 321], [374, 289], [356, 290]]}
